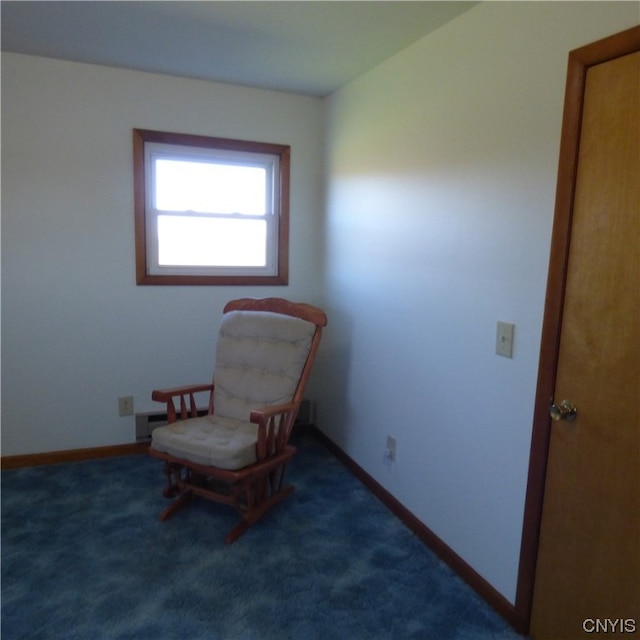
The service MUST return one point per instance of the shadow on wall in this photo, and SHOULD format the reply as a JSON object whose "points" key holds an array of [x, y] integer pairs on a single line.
{"points": [[330, 383]]}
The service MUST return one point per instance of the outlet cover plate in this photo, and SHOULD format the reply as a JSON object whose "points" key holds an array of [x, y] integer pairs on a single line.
{"points": [[125, 406], [391, 448]]}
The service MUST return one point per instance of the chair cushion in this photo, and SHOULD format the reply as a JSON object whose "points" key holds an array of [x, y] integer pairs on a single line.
{"points": [[259, 360], [224, 443]]}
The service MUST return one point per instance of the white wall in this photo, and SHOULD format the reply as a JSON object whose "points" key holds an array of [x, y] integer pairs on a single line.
{"points": [[76, 330], [441, 182]]}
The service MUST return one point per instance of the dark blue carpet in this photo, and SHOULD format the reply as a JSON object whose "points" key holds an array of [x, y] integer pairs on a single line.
{"points": [[84, 556]]}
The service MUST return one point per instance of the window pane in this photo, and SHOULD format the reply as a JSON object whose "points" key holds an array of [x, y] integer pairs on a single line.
{"points": [[211, 242], [184, 185], [210, 210]]}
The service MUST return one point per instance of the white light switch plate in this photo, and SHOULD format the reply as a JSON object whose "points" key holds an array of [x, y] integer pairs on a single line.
{"points": [[504, 339]]}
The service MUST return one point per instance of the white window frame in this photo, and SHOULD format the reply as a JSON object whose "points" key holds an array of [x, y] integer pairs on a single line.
{"points": [[152, 145]]}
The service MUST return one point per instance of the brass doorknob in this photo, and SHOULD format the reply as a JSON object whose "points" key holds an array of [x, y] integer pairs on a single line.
{"points": [[564, 411]]}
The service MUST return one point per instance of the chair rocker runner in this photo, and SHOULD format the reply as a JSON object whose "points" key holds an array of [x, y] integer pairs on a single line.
{"points": [[238, 452]]}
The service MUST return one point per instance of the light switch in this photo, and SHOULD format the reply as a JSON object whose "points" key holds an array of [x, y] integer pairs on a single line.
{"points": [[504, 339]]}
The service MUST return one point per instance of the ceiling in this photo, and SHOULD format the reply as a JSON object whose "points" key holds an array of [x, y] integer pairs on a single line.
{"points": [[300, 46]]}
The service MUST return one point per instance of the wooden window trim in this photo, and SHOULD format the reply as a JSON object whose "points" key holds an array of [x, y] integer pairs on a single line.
{"points": [[140, 137]]}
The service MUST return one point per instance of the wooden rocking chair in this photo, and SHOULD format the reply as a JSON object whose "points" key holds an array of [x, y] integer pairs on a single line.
{"points": [[237, 454]]}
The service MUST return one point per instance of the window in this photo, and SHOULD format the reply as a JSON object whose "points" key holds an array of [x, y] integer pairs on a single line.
{"points": [[210, 210]]}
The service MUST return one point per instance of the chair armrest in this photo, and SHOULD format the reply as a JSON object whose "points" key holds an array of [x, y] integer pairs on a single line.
{"points": [[264, 413], [275, 424], [167, 396]]}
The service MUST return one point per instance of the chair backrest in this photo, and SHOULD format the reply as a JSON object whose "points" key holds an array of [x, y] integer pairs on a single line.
{"points": [[264, 354]]}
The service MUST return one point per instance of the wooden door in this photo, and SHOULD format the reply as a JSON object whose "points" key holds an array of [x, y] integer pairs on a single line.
{"points": [[587, 576]]}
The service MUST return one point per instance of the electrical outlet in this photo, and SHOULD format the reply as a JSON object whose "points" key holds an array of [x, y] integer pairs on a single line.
{"points": [[125, 406], [390, 454]]}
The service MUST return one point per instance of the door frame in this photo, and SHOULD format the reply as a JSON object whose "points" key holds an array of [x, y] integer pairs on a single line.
{"points": [[578, 64]]}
